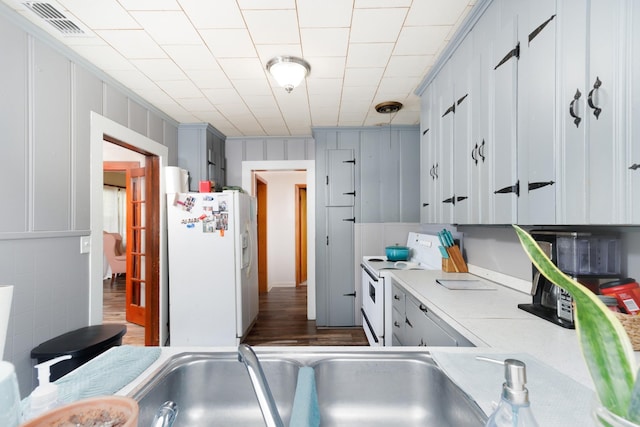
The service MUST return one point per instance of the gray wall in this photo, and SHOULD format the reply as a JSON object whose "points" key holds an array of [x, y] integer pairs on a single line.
{"points": [[46, 95]]}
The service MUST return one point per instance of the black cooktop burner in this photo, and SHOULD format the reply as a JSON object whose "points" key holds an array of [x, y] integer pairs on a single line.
{"points": [[375, 260]]}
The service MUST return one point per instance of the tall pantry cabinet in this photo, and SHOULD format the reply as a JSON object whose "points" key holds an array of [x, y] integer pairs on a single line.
{"points": [[553, 114]]}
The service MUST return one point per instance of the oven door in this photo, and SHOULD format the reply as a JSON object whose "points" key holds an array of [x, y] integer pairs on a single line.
{"points": [[373, 308]]}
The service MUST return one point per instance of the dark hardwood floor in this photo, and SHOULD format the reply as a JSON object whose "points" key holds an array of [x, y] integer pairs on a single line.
{"points": [[114, 310], [282, 320]]}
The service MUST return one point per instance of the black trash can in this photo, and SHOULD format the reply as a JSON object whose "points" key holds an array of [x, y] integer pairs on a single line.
{"points": [[82, 345]]}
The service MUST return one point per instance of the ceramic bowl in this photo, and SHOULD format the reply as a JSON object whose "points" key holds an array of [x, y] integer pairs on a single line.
{"points": [[119, 410]]}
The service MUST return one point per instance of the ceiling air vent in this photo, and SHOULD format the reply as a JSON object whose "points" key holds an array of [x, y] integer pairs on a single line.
{"points": [[54, 17]]}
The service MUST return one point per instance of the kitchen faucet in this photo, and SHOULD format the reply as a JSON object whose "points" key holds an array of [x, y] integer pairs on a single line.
{"points": [[166, 415], [260, 386]]}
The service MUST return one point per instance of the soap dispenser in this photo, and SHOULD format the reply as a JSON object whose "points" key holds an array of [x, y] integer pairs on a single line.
{"points": [[514, 409], [45, 395]]}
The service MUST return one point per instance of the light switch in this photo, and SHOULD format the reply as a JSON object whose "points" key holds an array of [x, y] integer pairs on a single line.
{"points": [[85, 244]]}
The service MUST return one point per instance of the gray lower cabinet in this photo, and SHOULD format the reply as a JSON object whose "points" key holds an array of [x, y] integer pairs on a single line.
{"points": [[414, 324]]}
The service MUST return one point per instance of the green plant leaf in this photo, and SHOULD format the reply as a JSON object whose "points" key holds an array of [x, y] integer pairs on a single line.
{"points": [[605, 344]]}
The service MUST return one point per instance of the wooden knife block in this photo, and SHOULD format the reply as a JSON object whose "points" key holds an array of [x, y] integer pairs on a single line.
{"points": [[447, 265], [455, 263]]}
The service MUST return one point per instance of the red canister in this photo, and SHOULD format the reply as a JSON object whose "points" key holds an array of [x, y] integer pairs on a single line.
{"points": [[626, 291]]}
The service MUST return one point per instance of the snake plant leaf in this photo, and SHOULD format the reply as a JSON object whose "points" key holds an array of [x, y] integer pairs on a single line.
{"points": [[605, 344], [634, 407]]}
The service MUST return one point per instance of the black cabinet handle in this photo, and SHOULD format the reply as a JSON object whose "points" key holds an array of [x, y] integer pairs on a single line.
{"points": [[425, 205], [481, 151], [462, 99], [396, 297], [511, 189], [461, 198], [536, 185], [596, 86], [451, 109], [351, 193], [406, 320], [423, 308], [425, 131], [349, 161], [473, 154], [572, 106], [451, 200], [350, 219], [432, 172], [436, 170], [634, 166], [396, 324]]}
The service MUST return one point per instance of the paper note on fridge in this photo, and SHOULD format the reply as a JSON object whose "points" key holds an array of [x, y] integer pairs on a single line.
{"points": [[465, 284]]}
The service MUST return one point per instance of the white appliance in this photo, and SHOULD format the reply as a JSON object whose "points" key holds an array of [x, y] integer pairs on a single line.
{"points": [[213, 279], [377, 305]]}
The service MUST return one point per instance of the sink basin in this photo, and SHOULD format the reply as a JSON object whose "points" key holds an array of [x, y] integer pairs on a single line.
{"points": [[387, 391], [214, 389], [355, 388]]}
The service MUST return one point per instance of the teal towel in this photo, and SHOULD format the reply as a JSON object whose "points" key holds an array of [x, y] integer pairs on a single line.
{"points": [[305, 412], [107, 373]]}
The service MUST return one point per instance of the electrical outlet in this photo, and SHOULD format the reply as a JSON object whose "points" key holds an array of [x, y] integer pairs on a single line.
{"points": [[85, 244]]}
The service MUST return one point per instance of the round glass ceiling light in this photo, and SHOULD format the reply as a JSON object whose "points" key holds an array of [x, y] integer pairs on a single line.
{"points": [[288, 71]]}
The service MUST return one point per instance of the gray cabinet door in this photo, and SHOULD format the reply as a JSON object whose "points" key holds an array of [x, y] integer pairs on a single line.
{"points": [[632, 165], [445, 101], [536, 112], [504, 81], [427, 157], [426, 330], [340, 178], [340, 284]]}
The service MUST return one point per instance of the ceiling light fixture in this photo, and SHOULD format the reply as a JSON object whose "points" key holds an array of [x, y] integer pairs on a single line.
{"points": [[388, 107], [288, 71]]}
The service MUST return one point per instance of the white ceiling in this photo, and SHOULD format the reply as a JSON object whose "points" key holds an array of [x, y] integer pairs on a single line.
{"points": [[204, 60]]}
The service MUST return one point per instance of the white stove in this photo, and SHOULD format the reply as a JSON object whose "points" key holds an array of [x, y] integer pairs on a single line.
{"points": [[376, 290]]}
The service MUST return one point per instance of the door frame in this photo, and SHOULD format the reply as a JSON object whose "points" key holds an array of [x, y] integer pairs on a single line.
{"points": [[248, 184], [101, 127]]}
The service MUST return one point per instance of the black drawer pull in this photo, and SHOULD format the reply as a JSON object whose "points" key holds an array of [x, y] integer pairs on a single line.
{"points": [[572, 108], [596, 86]]}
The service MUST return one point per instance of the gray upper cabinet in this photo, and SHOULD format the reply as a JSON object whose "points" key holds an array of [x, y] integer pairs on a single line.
{"points": [[592, 105], [201, 151], [632, 165], [536, 112]]}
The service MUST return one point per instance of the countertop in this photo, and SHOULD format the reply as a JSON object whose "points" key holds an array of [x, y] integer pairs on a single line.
{"points": [[491, 318]]}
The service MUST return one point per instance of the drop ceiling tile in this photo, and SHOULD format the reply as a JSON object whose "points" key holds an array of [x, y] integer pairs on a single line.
{"points": [[242, 68], [209, 79], [158, 23], [369, 54], [330, 100], [101, 14], [435, 12], [132, 44], [421, 40], [192, 57], [358, 93], [362, 76], [360, 4], [397, 86], [415, 66], [200, 105], [326, 13], [326, 67], [253, 87], [150, 4], [262, 102], [159, 69], [324, 41], [133, 79], [268, 51], [213, 14], [180, 88], [267, 4], [104, 57], [376, 25], [222, 96], [272, 26], [324, 86], [352, 116], [218, 43]]}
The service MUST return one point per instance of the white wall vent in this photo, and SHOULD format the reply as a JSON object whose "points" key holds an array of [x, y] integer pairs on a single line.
{"points": [[54, 17]]}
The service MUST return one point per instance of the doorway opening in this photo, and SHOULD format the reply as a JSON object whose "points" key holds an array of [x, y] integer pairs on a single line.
{"points": [[249, 182], [301, 234], [262, 229], [146, 240]]}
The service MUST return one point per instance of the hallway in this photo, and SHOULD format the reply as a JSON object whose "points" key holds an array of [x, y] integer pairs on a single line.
{"points": [[282, 320]]}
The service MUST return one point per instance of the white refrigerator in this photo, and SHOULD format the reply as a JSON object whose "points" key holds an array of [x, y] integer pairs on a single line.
{"points": [[213, 278]]}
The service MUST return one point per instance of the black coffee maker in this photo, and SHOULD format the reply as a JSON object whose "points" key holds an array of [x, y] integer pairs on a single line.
{"points": [[588, 258]]}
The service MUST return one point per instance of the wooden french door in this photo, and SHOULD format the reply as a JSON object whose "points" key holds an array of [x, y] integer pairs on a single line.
{"points": [[136, 247], [301, 234], [143, 242]]}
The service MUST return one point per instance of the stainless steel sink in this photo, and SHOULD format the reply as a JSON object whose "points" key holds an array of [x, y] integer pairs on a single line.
{"points": [[355, 388]]}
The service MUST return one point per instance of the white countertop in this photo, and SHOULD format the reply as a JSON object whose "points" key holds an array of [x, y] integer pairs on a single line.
{"points": [[491, 318]]}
